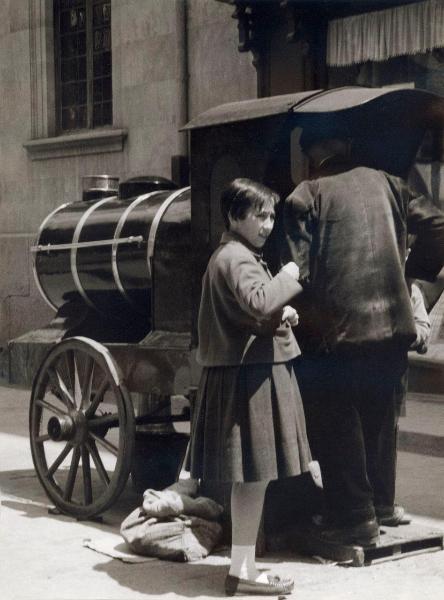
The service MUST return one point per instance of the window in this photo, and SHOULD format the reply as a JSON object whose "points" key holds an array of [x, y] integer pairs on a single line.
{"points": [[83, 70]]}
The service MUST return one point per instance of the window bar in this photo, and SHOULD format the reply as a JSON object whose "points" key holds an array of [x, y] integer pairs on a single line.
{"points": [[89, 64]]}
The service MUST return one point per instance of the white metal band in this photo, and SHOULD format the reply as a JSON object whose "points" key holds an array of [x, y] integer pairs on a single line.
{"points": [[75, 239], [156, 221], [106, 354], [117, 233], [34, 269]]}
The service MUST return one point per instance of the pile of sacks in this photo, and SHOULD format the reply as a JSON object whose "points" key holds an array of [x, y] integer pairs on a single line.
{"points": [[174, 524]]}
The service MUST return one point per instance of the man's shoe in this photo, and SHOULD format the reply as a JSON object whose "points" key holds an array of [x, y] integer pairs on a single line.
{"points": [[362, 534], [274, 587], [392, 517]]}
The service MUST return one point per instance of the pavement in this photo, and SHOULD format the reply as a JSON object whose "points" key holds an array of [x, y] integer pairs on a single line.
{"points": [[43, 556]]}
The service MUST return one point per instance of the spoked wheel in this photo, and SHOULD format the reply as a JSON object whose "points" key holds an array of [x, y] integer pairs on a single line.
{"points": [[82, 427]]}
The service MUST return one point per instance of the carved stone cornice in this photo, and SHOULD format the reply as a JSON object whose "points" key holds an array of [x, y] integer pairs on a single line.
{"points": [[253, 20], [306, 23]]}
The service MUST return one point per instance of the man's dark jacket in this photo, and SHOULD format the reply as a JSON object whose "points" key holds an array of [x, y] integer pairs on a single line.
{"points": [[348, 234]]}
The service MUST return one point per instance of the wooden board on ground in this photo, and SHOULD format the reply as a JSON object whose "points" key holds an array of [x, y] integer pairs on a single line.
{"points": [[395, 542]]}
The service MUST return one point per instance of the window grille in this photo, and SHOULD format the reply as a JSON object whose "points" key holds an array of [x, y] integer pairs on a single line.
{"points": [[83, 64]]}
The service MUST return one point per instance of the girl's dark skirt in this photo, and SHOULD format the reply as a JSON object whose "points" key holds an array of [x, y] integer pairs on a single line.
{"points": [[248, 424]]}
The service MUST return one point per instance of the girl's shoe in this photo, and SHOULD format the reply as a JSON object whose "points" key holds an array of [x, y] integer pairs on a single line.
{"points": [[274, 587]]}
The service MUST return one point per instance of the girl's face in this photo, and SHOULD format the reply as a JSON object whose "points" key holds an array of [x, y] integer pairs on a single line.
{"points": [[256, 226]]}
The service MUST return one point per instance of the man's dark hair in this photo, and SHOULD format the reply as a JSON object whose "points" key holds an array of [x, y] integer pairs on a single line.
{"points": [[242, 194]]}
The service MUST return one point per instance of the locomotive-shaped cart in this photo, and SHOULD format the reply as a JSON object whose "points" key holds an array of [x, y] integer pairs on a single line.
{"points": [[122, 269]]}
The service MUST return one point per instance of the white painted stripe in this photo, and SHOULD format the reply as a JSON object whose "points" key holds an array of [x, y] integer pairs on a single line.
{"points": [[117, 233], [156, 221], [75, 239], [34, 270], [113, 368]]}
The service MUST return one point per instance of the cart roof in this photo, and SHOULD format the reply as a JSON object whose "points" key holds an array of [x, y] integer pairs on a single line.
{"points": [[246, 110], [310, 102]]}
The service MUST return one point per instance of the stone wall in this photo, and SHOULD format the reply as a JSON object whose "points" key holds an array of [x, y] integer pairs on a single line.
{"points": [[218, 72], [20, 306], [148, 46]]}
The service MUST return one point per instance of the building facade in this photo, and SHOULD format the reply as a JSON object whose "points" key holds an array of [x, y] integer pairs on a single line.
{"points": [[103, 86], [64, 115]]}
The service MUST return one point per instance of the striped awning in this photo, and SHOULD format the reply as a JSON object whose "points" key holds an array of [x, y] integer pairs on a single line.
{"points": [[377, 36]]}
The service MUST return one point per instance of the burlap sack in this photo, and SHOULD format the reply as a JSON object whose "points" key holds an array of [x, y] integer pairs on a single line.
{"points": [[183, 538]]}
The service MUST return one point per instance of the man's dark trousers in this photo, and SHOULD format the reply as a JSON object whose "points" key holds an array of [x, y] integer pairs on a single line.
{"points": [[351, 407]]}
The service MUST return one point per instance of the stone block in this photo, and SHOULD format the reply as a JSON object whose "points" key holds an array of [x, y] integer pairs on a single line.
{"points": [[23, 206], [47, 194], [202, 13], [4, 19], [213, 57], [99, 164], [150, 103], [22, 313], [144, 19], [4, 321], [149, 61], [153, 157], [18, 16], [27, 313], [18, 64], [14, 266]]}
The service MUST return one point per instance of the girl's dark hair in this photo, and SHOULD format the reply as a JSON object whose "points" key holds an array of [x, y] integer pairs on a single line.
{"points": [[243, 193]]}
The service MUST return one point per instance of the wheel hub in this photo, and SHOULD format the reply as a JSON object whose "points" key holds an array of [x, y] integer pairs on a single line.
{"points": [[72, 427], [61, 428]]}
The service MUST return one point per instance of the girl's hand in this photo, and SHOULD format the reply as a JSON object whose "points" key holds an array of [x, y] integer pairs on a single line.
{"points": [[291, 269], [290, 314]]}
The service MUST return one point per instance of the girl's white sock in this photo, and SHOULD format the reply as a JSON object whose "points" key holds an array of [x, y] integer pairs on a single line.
{"points": [[243, 563]]}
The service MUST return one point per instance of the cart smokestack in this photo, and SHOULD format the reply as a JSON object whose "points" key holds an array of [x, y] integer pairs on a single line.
{"points": [[99, 186]]}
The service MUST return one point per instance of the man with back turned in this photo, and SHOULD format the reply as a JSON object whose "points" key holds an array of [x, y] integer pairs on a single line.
{"points": [[347, 229]]}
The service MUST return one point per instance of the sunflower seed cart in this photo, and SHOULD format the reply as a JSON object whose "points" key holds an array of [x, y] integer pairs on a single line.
{"points": [[122, 269], [115, 346]]}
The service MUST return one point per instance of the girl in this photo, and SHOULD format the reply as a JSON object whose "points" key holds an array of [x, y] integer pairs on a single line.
{"points": [[248, 424]]}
